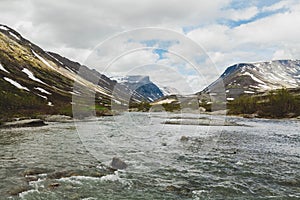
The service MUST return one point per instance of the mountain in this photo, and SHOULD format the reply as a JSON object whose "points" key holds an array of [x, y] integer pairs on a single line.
{"points": [[142, 85], [244, 78], [34, 81], [251, 78], [166, 90]]}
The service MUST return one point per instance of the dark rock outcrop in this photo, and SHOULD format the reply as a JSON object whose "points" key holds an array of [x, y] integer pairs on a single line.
{"points": [[117, 163]]}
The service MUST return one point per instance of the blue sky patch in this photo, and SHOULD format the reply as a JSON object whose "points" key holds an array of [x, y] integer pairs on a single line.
{"points": [[160, 53], [162, 44], [260, 15]]}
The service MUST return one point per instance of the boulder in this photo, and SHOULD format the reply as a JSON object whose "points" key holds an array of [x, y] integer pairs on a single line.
{"points": [[117, 163], [35, 171], [184, 138], [53, 185], [24, 123], [18, 189]]}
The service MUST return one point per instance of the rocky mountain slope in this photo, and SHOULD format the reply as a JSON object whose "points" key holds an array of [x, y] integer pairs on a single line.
{"points": [[142, 85], [251, 78], [34, 81], [244, 78], [166, 90]]}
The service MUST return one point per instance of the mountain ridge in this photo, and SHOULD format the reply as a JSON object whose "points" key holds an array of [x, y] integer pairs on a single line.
{"points": [[251, 78], [34, 81], [148, 90]]}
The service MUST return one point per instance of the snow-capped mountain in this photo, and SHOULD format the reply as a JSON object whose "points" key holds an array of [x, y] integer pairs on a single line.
{"points": [[142, 85], [251, 78], [248, 78], [166, 90]]}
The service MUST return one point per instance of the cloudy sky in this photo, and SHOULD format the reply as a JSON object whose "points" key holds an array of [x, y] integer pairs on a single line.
{"points": [[226, 32]]}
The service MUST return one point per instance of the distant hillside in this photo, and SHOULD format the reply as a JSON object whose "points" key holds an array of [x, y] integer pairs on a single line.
{"points": [[34, 81], [142, 85], [260, 88], [251, 78]]}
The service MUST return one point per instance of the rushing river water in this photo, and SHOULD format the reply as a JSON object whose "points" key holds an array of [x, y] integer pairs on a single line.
{"points": [[247, 159]]}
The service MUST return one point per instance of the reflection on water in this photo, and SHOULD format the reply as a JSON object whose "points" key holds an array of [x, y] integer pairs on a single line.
{"points": [[258, 160]]}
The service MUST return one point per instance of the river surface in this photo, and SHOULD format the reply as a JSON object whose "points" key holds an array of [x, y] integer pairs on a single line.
{"points": [[246, 159]]}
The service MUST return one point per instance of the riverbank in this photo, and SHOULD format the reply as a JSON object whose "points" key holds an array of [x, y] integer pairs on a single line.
{"points": [[34, 122], [41, 120]]}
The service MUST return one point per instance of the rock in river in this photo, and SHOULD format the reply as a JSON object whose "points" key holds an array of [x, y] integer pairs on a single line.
{"points": [[24, 123], [117, 163], [184, 138]]}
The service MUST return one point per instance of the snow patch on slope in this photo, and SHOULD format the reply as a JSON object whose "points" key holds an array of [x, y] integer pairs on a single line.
{"points": [[166, 90], [44, 97], [42, 59], [249, 92], [31, 76], [42, 90], [3, 69], [14, 36], [254, 78], [55, 58], [4, 28], [16, 84]]}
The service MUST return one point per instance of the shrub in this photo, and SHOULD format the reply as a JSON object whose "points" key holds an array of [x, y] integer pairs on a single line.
{"points": [[278, 103]]}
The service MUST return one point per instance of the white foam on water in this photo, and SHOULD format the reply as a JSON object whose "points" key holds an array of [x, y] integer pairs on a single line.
{"points": [[22, 195], [115, 178], [35, 184], [239, 163], [108, 178], [71, 180], [198, 193]]}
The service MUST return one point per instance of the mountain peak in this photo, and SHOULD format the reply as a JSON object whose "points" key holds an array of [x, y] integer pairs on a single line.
{"points": [[142, 85], [256, 77], [11, 32]]}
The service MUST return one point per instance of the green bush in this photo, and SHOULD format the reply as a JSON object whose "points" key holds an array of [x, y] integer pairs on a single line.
{"points": [[142, 106], [278, 104], [170, 107]]}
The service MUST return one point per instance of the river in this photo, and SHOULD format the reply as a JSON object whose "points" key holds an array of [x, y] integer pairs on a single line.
{"points": [[246, 159]]}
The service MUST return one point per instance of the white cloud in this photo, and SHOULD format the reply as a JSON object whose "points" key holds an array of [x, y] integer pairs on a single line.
{"points": [[272, 37], [279, 28], [74, 29], [277, 6], [242, 14], [282, 54], [212, 37]]}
